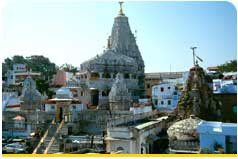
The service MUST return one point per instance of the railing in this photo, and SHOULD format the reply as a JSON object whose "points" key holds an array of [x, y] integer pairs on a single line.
{"points": [[43, 138], [53, 138]]}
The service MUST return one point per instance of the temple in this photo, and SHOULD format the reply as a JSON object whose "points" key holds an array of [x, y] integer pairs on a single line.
{"points": [[121, 56]]}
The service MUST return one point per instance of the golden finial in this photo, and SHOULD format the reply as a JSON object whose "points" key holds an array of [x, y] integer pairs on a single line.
{"points": [[121, 11]]}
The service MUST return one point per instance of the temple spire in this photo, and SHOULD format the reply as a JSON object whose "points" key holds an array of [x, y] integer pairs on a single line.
{"points": [[121, 10]]}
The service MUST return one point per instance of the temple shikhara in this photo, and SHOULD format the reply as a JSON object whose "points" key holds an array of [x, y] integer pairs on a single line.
{"points": [[122, 56], [111, 106]]}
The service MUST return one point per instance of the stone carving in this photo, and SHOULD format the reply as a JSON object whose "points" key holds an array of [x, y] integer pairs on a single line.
{"points": [[119, 98]]}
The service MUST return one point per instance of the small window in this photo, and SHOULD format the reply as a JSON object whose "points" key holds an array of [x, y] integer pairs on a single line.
{"points": [[52, 107], [74, 107], [162, 89], [234, 109], [168, 87], [169, 102], [11, 76], [156, 102], [104, 93], [162, 102], [148, 85]]}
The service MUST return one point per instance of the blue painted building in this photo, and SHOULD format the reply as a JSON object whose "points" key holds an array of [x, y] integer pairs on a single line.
{"points": [[218, 134]]}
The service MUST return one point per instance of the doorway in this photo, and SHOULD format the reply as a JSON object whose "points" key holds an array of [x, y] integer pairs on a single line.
{"points": [[94, 97], [61, 114]]}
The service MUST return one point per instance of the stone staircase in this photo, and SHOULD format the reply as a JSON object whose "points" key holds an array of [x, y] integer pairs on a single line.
{"points": [[49, 143], [45, 140], [53, 145], [64, 130], [54, 148]]}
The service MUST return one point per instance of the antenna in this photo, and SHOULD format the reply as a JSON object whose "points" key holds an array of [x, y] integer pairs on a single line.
{"points": [[195, 57]]}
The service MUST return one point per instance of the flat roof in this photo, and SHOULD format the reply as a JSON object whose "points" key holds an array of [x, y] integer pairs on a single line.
{"points": [[144, 125], [60, 99]]}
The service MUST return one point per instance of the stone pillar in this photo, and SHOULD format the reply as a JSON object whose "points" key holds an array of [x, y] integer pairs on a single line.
{"points": [[111, 74], [67, 113], [130, 75], [57, 114], [100, 74]]}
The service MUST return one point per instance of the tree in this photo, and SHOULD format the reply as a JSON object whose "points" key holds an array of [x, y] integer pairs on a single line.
{"points": [[8, 63], [69, 68], [230, 66], [43, 65], [42, 85]]}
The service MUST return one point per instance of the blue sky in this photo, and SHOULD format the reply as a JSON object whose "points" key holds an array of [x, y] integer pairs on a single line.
{"points": [[72, 31]]}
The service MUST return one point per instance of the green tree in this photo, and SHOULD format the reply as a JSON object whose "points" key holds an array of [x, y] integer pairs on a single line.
{"points": [[8, 63], [230, 66], [69, 68], [35, 62], [43, 65], [42, 85]]}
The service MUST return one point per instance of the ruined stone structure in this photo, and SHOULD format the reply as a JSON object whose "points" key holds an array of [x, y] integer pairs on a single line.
{"points": [[30, 95], [121, 56], [197, 97], [183, 136]]}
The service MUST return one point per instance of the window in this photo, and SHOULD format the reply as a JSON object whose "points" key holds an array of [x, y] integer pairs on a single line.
{"points": [[11, 76], [52, 107], [169, 102], [126, 76], [74, 107], [161, 89], [148, 85], [234, 109], [168, 87], [156, 102], [103, 93], [162, 102], [106, 75], [81, 93]]}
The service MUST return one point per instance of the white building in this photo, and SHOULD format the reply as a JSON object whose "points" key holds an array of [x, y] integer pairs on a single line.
{"points": [[137, 138], [10, 101], [65, 103], [144, 106], [218, 135], [19, 74], [226, 85], [165, 96]]}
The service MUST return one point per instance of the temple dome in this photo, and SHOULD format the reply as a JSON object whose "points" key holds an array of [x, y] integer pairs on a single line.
{"points": [[185, 129], [64, 93]]}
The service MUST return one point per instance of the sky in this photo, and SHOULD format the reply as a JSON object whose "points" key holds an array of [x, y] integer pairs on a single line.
{"points": [[72, 31]]}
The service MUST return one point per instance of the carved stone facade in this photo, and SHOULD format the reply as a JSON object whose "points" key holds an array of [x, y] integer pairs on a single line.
{"points": [[122, 55], [119, 97]]}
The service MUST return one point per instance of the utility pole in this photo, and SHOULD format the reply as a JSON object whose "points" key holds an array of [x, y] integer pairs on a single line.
{"points": [[193, 48], [195, 57]]}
